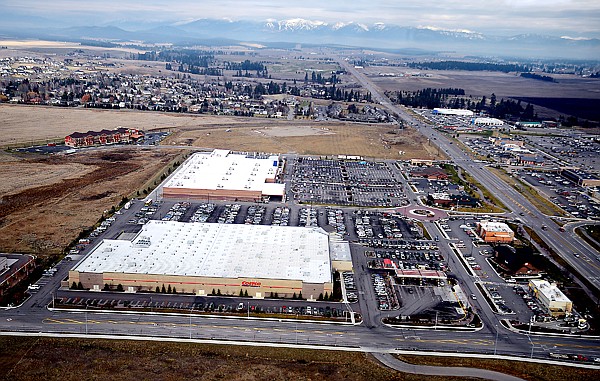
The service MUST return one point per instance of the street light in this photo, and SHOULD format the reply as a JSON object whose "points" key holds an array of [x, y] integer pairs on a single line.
{"points": [[191, 321], [496, 342]]}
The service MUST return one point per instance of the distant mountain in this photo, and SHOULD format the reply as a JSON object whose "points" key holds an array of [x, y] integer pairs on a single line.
{"points": [[292, 31]]}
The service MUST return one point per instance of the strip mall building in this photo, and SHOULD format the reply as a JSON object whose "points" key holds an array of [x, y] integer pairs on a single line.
{"points": [[201, 257]]}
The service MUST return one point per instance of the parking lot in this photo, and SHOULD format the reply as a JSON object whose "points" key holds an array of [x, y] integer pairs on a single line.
{"points": [[213, 305], [566, 195], [345, 182]]}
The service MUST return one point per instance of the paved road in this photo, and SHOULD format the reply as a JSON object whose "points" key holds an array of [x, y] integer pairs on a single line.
{"points": [[390, 361], [588, 264]]}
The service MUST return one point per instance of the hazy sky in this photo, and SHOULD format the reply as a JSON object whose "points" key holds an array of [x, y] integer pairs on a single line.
{"points": [[505, 17]]}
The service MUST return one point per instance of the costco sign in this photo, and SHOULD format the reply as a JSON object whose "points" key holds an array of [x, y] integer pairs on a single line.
{"points": [[250, 284]]}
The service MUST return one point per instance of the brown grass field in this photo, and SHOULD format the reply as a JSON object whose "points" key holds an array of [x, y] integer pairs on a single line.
{"points": [[527, 371], [29, 358], [44, 211]]}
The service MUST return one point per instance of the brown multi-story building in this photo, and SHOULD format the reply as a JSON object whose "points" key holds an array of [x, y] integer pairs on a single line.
{"points": [[92, 138]]}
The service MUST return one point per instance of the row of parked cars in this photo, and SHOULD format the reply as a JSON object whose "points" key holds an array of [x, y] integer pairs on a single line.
{"points": [[281, 216], [203, 212], [350, 286], [381, 292], [177, 211], [229, 214]]}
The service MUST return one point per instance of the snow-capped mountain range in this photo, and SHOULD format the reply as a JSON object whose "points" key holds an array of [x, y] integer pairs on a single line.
{"points": [[298, 30]]}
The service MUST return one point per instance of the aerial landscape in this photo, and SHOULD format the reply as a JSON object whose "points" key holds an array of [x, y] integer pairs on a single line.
{"points": [[203, 190]]}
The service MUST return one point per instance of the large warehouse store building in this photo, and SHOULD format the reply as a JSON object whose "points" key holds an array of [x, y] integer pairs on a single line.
{"points": [[201, 257], [223, 175]]}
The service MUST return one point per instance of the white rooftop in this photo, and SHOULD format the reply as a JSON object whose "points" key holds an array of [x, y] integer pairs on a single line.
{"points": [[452, 111], [491, 226], [550, 290], [217, 250], [221, 169], [340, 249]]}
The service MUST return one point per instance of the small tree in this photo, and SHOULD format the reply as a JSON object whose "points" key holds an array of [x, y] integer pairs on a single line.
{"points": [[119, 287], [157, 289], [219, 291], [326, 297], [294, 296], [320, 296], [74, 286], [79, 286], [245, 293], [213, 291], [106, 287], [163, 290], [169, 289], [276, 295], [174, 290], [300, 296], [241, 292]]}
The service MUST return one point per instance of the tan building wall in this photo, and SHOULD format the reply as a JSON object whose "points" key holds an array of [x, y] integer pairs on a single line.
{"points": [[497, 237], [342, 265], [202, 285], [216, 194]]}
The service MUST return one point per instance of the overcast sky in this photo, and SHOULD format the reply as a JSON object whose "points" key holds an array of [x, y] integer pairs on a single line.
{"points": [[503, 17]]}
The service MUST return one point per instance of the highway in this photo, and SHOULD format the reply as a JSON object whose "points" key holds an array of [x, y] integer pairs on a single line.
{"points": [[566, 245]]}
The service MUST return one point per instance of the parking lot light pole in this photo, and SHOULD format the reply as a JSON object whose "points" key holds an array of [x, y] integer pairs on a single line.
{"points": [[191, 321], [496, 342]]}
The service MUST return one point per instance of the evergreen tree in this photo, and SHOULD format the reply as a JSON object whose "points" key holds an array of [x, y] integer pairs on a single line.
{"points": [[320, 297], [157, 289], [241, 293], [169, 289], [245, 293], [164, 290], [74, 286], [119, 287]]}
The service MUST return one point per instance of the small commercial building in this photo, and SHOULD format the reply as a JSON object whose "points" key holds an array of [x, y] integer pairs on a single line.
{"points": [[431, 173], [224, 175], [551, 298], [581, 178], [489, 122], [495, 232], [200, 258]]}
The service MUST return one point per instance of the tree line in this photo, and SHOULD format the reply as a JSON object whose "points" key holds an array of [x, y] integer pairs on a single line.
{"points": [[470, 66]]}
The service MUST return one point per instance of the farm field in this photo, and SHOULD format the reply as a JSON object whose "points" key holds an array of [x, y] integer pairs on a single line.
{"points": [[547, 97]]}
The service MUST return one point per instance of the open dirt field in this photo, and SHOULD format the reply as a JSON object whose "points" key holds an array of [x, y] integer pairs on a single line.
{"points": [[23, 124], [44, 212], [373, 141], [27, 124]]}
